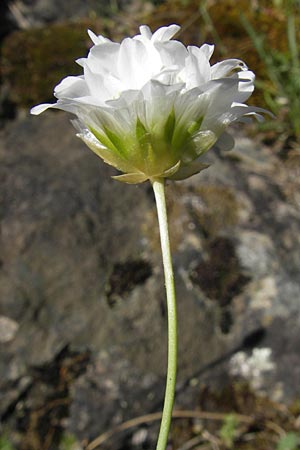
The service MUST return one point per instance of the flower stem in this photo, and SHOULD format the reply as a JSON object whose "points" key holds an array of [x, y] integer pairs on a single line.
{"points": [[159, 192]]}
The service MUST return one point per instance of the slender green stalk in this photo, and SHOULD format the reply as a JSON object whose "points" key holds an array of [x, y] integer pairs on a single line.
{"points": [[159, 192]]}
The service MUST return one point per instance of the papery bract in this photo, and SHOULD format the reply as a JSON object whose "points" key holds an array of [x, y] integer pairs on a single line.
{"points": [[151, 107]]}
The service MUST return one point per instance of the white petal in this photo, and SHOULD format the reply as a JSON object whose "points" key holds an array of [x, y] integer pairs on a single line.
{"points": [[227, 68], [156, 89], [115, 120], [145, 32], [95, 83], [125, 100], [246, 86], [134, 67], [81, 61], [103, 58], [63, 105], [246, 75], [221, 94], [94, 38], [165, 33], [97, 39], [87, 101], [241, 110], [172, 53], [71, 87], [158, 102], [197, 68], [190, 106], [38, 109], [207, 50]]}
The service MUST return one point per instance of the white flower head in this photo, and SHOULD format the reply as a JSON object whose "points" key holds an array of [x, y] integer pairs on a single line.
{"points": [[150, 106]]}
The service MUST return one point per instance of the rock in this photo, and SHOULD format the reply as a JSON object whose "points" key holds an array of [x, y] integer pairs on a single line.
{"points": [[81, 275], [8, 329], [6, 22], [32, 13]]}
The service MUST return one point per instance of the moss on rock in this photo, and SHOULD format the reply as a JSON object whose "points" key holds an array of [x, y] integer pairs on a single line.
{"points": [[221, 23], [35, 60]]}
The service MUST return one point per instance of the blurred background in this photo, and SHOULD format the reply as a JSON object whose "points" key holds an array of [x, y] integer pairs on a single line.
{"points": [[82, 304]]}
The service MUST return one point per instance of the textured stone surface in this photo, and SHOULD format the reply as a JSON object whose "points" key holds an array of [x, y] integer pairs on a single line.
{"points": [[28, 13], [81, 279]]}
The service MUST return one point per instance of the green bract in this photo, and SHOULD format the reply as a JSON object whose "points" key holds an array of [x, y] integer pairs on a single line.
{"points": [[151, 107]]}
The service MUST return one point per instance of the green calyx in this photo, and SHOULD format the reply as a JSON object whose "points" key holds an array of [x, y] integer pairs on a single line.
{"points": [[153, 153]]}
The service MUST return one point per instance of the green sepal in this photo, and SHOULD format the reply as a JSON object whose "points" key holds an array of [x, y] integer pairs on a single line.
{"points": [[144, 138], [195, 126], [169, 172], [170, 127], [118, 142], [108, 156], [188, 170], [103, 139], [131, 178]]}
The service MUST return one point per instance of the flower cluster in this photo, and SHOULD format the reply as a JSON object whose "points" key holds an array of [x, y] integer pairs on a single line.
{"points": [[150, 106]]}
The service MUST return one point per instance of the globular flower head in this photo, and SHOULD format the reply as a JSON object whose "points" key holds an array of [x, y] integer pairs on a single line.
{"points": [[150, 106]]}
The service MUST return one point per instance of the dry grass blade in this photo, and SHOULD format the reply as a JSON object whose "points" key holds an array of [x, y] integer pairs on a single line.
{"points": [[177, 414], [192, 443]]}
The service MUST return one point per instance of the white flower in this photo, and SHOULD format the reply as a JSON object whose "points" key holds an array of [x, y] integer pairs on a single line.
{"points": [[150, 106]]}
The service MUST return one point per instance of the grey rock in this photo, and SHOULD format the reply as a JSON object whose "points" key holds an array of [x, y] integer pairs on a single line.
{"points": [[31, 13], [6, 22], [81, 272], [8, 329]]}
